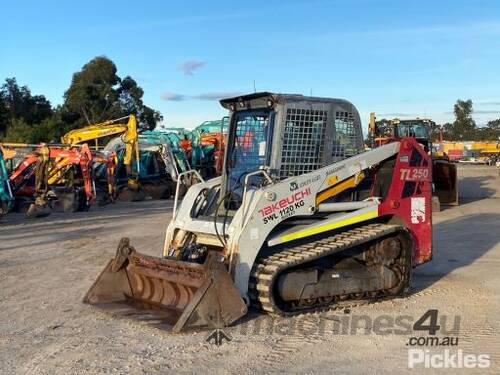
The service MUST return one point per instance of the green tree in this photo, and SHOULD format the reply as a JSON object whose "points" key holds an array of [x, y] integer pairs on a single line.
{"points": [[51, 129], [19, 131], [491, 132], [21, 104], [464, 126], [448, 131], [20, 111], [130, 96], [92, 95], [4, 115], [97, 94]]}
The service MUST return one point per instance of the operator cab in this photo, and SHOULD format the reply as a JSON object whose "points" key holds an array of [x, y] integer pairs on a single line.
{"points": [[249, 147], [285, 135], [420, 129]]}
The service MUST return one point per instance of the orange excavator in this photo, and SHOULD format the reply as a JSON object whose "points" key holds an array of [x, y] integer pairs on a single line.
{"points": [[204, 146], [29, 179]]}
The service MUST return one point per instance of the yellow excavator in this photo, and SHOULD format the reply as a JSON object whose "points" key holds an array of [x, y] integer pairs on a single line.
{"points": [[127, 128]]}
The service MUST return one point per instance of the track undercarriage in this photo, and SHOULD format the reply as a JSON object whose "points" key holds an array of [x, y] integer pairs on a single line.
{"points": [[366, 263]]}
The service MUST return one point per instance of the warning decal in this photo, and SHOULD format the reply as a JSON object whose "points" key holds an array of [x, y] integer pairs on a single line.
{"points": [[417, 210]]}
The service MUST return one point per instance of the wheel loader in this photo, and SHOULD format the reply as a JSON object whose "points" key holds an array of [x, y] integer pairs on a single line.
{"points": [[445, 176], [301, 219]]}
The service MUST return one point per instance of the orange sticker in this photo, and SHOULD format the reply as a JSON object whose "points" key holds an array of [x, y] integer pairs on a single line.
{"points": [[332, 180]]}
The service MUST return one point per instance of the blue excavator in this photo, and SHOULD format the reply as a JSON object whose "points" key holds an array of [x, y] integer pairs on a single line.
{"points": [[6, 196]]}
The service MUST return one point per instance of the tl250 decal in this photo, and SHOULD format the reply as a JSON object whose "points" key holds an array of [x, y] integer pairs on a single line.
{"points": [[414, 174], [284, 207]]}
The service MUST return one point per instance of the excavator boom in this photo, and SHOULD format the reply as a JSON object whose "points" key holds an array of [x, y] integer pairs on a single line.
{"points": [[129, 136]]}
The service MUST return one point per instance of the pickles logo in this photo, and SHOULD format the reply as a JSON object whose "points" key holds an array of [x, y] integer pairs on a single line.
{"points": [[449, 356], [446, 359]]}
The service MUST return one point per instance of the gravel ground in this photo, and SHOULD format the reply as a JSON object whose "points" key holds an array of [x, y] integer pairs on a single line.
{"points": [[47, 265]]}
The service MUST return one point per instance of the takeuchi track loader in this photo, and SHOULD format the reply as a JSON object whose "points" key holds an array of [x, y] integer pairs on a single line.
{"points": [[301, 219]]}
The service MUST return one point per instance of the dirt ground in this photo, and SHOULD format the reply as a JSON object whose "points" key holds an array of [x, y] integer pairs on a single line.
{"points": [[47, 265]]}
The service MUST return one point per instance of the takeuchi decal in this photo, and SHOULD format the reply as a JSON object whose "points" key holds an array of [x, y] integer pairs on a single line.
{"points": [[285, 202]]}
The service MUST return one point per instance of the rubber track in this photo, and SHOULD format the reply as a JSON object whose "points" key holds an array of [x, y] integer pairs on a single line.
{"points": [[267, 268]]}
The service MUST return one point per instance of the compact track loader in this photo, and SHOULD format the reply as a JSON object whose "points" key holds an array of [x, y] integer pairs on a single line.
{"points": [[301, 219]]}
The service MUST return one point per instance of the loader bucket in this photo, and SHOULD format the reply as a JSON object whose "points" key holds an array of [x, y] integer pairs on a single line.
{"points": [[184, 295], [445, 179]]}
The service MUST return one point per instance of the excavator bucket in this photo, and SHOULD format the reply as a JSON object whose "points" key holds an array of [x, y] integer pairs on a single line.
{"points": [[133, 192], [184, 295], [129, 195], [39, 208], [445, 179]]}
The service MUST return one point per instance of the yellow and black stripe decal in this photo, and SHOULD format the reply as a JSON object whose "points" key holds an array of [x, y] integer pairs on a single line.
{"points": [[307, 232]]}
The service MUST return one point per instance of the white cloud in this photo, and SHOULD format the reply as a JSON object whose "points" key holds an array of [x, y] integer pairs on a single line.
{"points": [[173, 97], [190, 66], [217, 95]]}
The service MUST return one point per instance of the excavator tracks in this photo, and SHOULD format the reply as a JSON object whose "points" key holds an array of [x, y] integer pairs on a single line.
{"points": [[267, 269]]}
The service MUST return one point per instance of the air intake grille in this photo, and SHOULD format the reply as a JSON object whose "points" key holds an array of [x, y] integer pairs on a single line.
{"points": [[304, 138], [345, 138]]}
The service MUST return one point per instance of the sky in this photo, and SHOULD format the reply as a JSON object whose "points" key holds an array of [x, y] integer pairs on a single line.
{"points": [[396, 58]]}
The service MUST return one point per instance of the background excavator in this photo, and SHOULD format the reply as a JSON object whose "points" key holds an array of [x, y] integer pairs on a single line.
{"points": [[22, 162], [300, 219], [173, 165], [126, 127], [444, 172], [6, 196], [204, 146], [69, 167]]}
